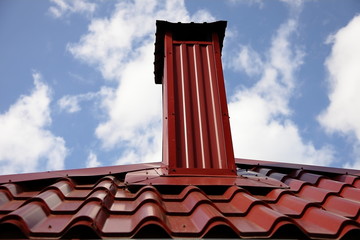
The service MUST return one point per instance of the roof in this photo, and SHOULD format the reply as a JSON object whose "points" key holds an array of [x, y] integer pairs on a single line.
{"points": [[183, 31], [266, 199]]}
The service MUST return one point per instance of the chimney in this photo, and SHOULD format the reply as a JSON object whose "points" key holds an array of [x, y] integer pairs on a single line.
{"points": [[196, 129]]}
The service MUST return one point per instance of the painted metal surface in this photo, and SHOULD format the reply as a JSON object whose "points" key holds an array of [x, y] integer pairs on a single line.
{"points": [[159, 177], [197, 137], [319, 203]]}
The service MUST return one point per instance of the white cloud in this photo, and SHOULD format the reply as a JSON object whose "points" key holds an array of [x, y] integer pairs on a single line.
{"points": [[122, 48], [92, 160], [355, 164], [26, 144], [203, 15], [64, 7], [136, 105], [260, 3], [247, 60], [260, 115], [113, 42], [71, 104], [343, 113]]}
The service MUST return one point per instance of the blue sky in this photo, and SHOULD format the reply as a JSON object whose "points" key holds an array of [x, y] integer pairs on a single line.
{"points": [[77, 87]]}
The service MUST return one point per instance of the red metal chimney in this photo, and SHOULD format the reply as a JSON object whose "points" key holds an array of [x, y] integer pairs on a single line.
{"points": [[196, 129]]}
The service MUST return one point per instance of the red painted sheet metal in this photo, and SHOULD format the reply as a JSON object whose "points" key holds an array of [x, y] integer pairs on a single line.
{"points": [[199, 123], [78, 172], [197, 136], [322, 205]]}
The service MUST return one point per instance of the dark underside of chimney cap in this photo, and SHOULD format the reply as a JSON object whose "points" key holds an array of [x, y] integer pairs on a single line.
{"points": [[183, 32]]}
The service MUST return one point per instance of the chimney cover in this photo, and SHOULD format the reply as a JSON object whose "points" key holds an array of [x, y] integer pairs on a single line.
{"points": [[182, 30]]}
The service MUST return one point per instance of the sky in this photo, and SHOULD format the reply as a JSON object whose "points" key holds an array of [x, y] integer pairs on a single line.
{"points": [[77, 85]]}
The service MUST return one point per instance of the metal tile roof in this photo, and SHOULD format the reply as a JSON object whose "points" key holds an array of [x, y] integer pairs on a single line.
{"points": [[265, 200]]}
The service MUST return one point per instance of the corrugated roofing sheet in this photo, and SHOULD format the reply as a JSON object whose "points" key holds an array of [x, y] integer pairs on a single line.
{"points": [[291, 201]]}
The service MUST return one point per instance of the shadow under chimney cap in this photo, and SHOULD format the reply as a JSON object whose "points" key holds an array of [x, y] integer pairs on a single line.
{"points": [[183, 32]]}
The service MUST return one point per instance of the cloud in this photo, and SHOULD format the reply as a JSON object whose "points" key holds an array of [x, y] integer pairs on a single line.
{"points": [[92, 160], [121, 47], [112, 42], [65, 7], [26, 145], [259, 3], [247, 60], [71, 103], [342, 114], [260, 115]]}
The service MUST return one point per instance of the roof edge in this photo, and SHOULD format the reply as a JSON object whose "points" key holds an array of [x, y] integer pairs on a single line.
{"points": [[98, 171], [295, 166]]}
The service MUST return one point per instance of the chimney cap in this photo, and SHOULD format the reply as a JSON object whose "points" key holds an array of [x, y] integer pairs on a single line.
{"points": [[183, 31]]}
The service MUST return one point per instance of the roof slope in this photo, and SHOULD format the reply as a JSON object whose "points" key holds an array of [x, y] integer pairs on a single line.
{"points": [[267, 199]]}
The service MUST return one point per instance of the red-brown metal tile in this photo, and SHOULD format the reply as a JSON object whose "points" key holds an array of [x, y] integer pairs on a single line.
{"points": [[191, 201], [357, 183], [28, 215], [132, 204], [291, 205], [109, 209], [309, 177], [16, 191], [10, 206], [351, 193], [65, 186], [202, 215], [58, 224], [69, 206], [186, 191], [314, 194], [127, 224], [349, 179], [228, 194], [254, 225], [274, 195], [278, 176], [5, 197], [51, 198], [295, 184], [331, 185], [342, 206], [264, 171], [240, 204], [320, 223], [79, 193]]}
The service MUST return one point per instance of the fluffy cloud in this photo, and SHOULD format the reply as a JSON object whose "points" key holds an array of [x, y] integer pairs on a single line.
{"points": [[247, 60], [64, 7], [259, 3], [92, 160], [71, 104], [113, 42], [343, 115], [261, 116], [26, 144], [122, 48]]}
